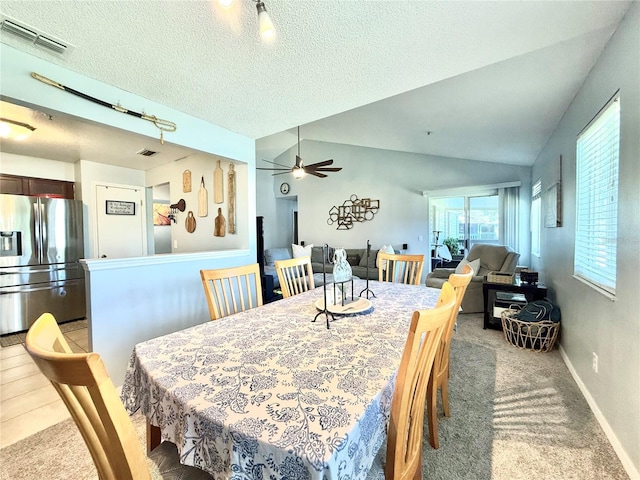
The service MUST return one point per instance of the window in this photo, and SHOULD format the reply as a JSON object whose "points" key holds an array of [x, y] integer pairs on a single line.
{"points": [[468, 219], [597, 158], [536, 208]]}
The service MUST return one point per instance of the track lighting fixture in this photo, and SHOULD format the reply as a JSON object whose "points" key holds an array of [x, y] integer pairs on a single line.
{"points": [[264, 21], [266, 26]]}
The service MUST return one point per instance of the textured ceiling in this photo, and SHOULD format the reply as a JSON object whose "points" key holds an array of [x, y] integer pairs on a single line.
{"points": [[489, 79]]}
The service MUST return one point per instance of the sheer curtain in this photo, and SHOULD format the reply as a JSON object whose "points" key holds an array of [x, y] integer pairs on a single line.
{"points": [[509, 201]]}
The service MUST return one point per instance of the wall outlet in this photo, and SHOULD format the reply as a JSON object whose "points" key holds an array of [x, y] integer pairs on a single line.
{"points": [[419, 238], [175, 244], [595, 362]]}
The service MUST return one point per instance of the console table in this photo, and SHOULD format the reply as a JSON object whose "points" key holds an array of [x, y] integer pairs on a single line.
{"points": [[531, 292]]}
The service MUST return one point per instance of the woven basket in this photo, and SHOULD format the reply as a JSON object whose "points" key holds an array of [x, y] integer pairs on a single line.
{"points": [[537, 336], [501, 277]]}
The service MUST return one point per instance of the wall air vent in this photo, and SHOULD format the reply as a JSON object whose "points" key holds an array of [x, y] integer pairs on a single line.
{"points": [[34, 36], [146, 153]]}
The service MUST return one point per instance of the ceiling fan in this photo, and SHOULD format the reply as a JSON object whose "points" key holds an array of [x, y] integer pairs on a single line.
{"points": [[299, 169]]}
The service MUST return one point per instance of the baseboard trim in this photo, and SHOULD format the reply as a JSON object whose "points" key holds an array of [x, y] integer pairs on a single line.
{"points": [[628, 465]]}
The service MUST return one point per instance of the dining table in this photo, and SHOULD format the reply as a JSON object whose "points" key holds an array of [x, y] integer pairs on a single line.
{"points": [[276, 393]]}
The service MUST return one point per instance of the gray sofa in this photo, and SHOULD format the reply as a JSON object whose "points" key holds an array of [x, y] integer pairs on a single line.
{"points": [[355, 256], [270, 257], [498, 258]]}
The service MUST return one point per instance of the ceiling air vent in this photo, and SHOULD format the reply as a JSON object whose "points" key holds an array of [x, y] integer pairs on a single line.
{"points": [[146, 153], [34, 36]]}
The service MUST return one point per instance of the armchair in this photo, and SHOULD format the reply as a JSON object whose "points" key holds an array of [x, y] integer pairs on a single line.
{"points": [[499, 258]]}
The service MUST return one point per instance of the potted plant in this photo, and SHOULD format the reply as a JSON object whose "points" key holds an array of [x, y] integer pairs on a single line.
{"points": [[452, 245]]}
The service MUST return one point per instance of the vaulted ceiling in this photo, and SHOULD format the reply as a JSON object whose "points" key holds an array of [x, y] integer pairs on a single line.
{"points": [[488, 80]]}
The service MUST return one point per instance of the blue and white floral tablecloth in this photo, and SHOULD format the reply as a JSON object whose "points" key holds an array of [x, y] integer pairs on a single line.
{"points": [[269, 394]]}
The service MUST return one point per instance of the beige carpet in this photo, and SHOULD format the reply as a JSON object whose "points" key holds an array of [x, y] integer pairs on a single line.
{"points": [[515, 415]]}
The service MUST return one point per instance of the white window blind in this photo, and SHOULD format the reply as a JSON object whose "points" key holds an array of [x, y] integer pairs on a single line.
{"points": [[597, 158], [536, 208]]}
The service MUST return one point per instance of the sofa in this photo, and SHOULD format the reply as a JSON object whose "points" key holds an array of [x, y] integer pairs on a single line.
{"points": [[270, 257], [497, 258], [355, 256]]}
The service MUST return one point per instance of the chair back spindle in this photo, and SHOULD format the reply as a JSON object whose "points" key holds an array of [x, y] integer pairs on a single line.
{"points": [[232, 290], [295, 275], [399, 268]]}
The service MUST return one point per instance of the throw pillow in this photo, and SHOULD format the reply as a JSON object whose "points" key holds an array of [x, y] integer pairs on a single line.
{"points": [[354, 260], [316, 254], [300, 251], [475, 265], [385, 249], [273, 254]]}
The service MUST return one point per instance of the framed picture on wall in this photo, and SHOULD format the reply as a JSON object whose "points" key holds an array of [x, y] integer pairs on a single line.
{"points": [[161, 214], [553, 206]]}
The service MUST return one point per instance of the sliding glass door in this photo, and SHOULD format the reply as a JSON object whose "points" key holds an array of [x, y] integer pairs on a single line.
{"points": [[467, 219]]}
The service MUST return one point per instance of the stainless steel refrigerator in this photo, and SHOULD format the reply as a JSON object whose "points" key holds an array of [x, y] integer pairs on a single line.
{"points": [[41, 243]]}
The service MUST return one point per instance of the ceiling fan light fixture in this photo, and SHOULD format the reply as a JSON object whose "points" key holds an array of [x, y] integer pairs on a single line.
{"points": [[14, 130], [298, 172], [264, 21], [225, 3]]}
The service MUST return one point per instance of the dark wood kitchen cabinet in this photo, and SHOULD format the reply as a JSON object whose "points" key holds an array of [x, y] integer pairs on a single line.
{"points": [[42, 187]]}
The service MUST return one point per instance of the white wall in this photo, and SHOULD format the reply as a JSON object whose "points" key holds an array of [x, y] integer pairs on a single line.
{"points": [[592, 322], [397, 179], [202, 239], [25, 166], [277, 209], [88, 174]]}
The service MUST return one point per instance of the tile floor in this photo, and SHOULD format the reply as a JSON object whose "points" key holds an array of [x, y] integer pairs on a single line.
{"points": [[28, 402]]}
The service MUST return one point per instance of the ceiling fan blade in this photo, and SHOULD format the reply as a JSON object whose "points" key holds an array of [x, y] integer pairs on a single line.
{"points": [[274, 163], [280, 173], [285, 169], [327, 169], [320, 164], [317, 174]]}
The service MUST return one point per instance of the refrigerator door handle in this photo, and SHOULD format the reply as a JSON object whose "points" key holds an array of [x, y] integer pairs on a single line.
{"points": [[37, 230], [24, 289], [42, 245]]}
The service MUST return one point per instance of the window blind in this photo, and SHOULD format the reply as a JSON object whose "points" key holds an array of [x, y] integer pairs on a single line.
{"points": [[597, 158]]}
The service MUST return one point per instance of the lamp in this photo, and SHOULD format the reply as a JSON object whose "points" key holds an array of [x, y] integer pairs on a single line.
{"points": [[266, 26], [15, 130]]}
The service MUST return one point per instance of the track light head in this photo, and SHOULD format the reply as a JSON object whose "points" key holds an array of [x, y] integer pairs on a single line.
{"points": [[266, 25]]}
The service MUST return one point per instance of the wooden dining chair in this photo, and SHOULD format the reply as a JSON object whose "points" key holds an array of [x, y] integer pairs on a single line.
{"points": [[400, 268], [230, 290], [82, 381], [439, 379], [404, 435], [295, 275]]}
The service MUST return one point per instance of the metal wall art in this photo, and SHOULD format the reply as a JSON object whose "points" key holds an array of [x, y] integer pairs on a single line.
{"points": [[353, 210]]}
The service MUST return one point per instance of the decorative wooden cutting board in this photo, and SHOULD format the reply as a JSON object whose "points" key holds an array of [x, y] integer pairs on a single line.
{"points": [[220, 225], [190, 222], [218, 192], [186, 181], [202, 200]]}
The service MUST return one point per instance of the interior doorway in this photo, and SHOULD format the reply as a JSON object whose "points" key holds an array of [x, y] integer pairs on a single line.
{"points": [[161, 221], [120, 221]]}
